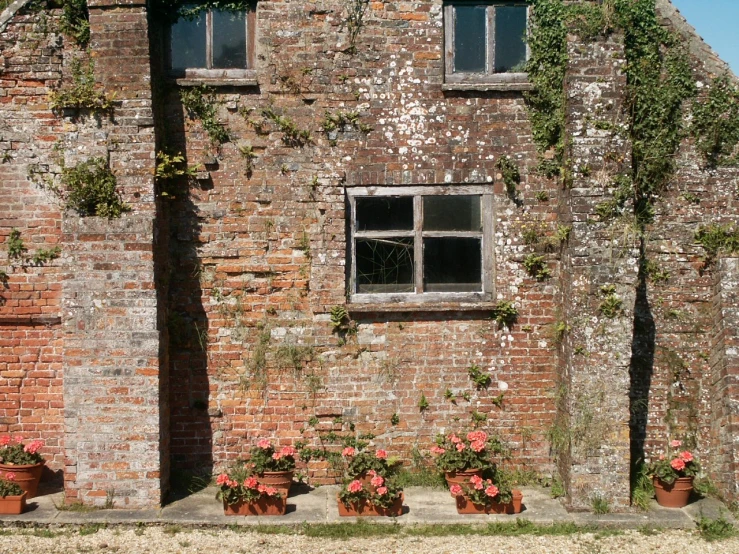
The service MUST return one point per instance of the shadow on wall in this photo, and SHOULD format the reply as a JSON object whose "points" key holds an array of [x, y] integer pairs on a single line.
{"points": [[641, 368]]}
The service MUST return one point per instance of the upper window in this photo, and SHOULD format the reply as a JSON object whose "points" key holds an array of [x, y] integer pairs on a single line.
{"points": [[421, 244], [219, 42], [485, 41]]}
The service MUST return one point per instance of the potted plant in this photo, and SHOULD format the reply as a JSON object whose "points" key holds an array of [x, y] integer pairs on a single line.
{"points": [[273, 467], [242, 494], [461, 457], [12, 496], [672, 475], [23, 460], [486, 497], [381, 497], [370, 488]]}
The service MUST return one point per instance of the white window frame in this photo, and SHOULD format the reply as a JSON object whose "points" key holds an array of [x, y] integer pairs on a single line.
{"points": [[418, 234], [209, 72], [489, 76]]}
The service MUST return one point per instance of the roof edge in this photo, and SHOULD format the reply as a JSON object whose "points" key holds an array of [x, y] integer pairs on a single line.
{"points": [[707, 56]]}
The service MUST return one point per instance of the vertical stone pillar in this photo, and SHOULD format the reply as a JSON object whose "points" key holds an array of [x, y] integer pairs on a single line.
{"points": [[113, 375], [600, 277], [724, 381]]}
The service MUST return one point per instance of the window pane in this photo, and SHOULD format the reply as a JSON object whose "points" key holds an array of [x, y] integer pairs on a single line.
{"points": [[469, 38], [385, 265], [452, 264], [451, 213], [229, 39], [510, 39], [382, 213], [188, 43]]}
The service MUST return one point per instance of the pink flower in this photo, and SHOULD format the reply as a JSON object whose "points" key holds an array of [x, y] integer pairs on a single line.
{"points": [[33, 447], [382, 491], [492, 491], [686, 457], [381, 454], [454, 438], [10, 476], [288, 451], [262, 488], [477, 436], [437, 450], [456, 490], [476, 482], [372, 473], [271, 491], [251, 483], [677, 464], [264, 444], [460, 446], [18, 439], [4, 440], [676, 444], [377, 481], [661, 457], [477, 446], [348, 451], [355, 486], [277, 455], [232, 484], [222, 479]]}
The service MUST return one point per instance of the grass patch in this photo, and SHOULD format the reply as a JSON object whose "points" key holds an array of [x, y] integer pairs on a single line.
{"points": [[91, 528], [78, 507], [421, 477], [716, 529], [347, 531]]}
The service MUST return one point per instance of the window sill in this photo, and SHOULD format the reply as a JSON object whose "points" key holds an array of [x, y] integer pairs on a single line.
{"points": [[504, 87], [499, 81], [408, 307], [216, 77]]}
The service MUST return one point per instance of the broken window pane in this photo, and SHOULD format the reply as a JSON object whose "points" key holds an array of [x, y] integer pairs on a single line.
{"points": [[188, 43], [451, 213], [229, 39], [452, 264], [383, 213], [510, 39], [469, 39], [385, 265]]}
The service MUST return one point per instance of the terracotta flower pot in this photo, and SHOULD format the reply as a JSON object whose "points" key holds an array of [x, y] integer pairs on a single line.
{"points": [[13, 505], [466, 506], [461, 478], [281, 480], [27, 477], [265, 506], [675, 495], [366, 508]]}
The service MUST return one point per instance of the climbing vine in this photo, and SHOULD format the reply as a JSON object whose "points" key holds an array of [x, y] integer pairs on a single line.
{"points": [[715, 125]]}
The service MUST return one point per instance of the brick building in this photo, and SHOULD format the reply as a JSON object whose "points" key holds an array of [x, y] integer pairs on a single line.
{"points": [[367, 201]]}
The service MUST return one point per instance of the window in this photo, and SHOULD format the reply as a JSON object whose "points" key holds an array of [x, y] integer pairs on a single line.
{"points": [[485, 41], [212, 42], [419, 244]]}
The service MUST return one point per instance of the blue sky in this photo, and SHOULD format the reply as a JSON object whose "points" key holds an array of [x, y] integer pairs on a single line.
{"points": [[716, 21]]}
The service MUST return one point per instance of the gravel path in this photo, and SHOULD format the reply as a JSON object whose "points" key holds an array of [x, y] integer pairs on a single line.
{"points": [[158, 540]]}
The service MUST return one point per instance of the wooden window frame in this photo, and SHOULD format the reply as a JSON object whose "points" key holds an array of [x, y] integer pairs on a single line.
{"points": [[417, 193], [489, 76], [209, 72]]}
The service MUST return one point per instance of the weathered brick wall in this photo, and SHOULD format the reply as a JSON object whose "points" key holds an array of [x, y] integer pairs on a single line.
{"points": [[242, 268], [30, 346]]}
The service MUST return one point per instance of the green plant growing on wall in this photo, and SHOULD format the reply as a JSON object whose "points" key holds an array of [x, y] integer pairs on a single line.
{"points": [[511, 175], [505, 313], [423, 403], [201, 103], [16, 248], [615, 206], [292, 135], [590, 21], [478, 418], [536, 267], [480, 379], [715, 238], [249, 156], [611, 304], [355, 11], [294, 356], [83, 92], [170, 169], [394, 419], [89, 188], [75, 21], [654, 272], [715, 124]]}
